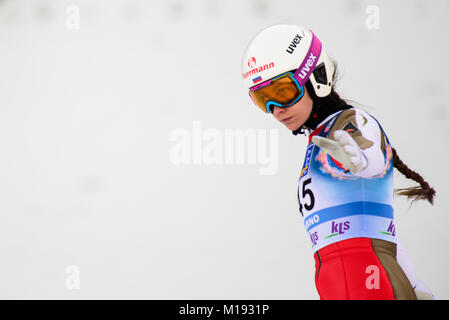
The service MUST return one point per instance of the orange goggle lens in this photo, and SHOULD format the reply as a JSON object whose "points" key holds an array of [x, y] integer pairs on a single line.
{"points": [[282, 91]]}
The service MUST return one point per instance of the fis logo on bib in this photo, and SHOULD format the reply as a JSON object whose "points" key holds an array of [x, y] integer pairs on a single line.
{"points": [[305, 167]]}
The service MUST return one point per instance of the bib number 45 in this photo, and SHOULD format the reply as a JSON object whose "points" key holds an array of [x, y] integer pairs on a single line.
{"points": [[306, 192]]}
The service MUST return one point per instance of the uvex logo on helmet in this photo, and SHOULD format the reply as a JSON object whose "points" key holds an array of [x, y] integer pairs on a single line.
{"points": [[306, 68], [256, 70], [296, 40], [251, 62]]}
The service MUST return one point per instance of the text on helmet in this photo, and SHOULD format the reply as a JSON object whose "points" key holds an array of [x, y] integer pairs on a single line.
{"points": [[305, 70], [257, 70], [296, 40]]}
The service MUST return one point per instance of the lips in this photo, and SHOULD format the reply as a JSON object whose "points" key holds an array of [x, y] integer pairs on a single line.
{"points": [[286, 119]]}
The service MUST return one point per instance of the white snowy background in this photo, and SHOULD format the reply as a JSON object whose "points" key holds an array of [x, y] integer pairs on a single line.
{"points": [[86, 115]]}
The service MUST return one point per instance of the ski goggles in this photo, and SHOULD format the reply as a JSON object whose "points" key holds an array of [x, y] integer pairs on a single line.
{"points": [[282, 91]]}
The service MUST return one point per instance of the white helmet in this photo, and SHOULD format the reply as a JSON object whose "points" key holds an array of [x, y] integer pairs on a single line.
{"points": [[282, 48]]}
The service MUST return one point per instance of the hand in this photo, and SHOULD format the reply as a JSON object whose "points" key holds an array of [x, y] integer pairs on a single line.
{"points": [[344, 149]]}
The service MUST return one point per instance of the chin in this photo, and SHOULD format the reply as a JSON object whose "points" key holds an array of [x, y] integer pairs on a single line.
{"points": [[293, 126]]}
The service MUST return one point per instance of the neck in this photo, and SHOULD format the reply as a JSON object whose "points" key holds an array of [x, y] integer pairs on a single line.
{"points": [[321, 109], [321, 112]]}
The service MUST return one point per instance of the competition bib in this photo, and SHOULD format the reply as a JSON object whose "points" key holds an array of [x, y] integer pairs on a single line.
{"points": [[336, 205]]}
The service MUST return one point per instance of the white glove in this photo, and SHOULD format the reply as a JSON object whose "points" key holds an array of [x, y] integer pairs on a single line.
{"points": [[345, 150]]}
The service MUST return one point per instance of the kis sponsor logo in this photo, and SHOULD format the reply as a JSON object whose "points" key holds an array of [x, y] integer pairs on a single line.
{"points": [[296, 40], [340, 228], [392, 229], [313, 238]]}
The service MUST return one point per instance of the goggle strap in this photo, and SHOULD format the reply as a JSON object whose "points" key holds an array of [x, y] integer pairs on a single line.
{"points": [[261, 85]]}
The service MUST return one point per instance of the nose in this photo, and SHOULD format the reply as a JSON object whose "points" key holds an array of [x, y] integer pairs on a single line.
{"points": [[276, 110]]}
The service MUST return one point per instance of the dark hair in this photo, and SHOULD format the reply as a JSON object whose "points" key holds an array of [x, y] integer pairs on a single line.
{"points": [[415, 193], [330, 101], [322, 107], [333, 100]]}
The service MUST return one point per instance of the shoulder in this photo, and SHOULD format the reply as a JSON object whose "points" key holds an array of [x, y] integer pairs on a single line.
{"points": [[354, 119], [361, 125]]}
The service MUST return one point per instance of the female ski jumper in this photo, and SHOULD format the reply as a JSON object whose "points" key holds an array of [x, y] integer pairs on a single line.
{"points": [[345, 186]]}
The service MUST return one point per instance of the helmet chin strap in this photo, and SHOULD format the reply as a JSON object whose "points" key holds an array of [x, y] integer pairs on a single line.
{"points": [[300, 130]]}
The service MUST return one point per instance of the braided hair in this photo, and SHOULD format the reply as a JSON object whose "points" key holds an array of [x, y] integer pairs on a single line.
{"points": [[424, 191]]}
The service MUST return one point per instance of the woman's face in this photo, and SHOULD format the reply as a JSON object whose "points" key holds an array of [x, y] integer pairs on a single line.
{"points": [[296, 115]]}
